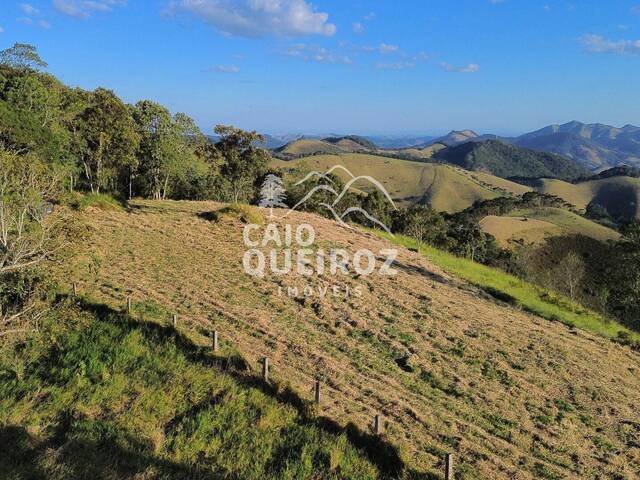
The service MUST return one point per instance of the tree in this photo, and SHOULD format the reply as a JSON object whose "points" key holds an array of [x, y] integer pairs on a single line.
{"points": [[106, 139], [569, 273], [244, 162], [22, 57], [28, 228], [272, 194], [424, 224]]}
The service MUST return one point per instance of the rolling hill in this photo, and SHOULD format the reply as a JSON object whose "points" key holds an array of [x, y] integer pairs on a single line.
{"points": [[505, 160], [620, 195], [533, 226], [448, 367], [445, 187], [594, 146]]}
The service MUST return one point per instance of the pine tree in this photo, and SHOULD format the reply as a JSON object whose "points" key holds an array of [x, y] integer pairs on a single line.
{"points": [[272, 193]]}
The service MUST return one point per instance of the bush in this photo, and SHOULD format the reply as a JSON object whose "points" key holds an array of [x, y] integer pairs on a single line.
{"points": [[242, 212], [100, 201]]}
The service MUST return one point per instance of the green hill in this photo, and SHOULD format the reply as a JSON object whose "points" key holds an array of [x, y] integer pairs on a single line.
{"points": [[445, 187], [506, 161]]}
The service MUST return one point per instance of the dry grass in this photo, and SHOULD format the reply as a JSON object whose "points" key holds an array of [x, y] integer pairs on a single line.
{"points": [[513, 395], [534, 226], [446, 188]]}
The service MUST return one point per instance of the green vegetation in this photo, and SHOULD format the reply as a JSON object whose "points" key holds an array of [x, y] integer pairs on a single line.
{"points": [[504, 160], [95, 394], [539, 301]]}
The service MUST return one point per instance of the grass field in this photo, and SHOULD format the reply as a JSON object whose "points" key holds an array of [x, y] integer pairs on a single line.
{"points": [[446, 188], [534, 225], [619, 195], [98, 394], [542, 302], [450, 369]]}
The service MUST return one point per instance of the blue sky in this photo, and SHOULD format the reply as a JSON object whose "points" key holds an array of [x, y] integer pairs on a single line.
{"points": [[365, 67]]}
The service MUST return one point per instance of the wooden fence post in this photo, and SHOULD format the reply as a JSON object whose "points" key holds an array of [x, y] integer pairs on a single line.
{"points": [[75, 290], [175, 321], [265, 369], [377, 424], [216, 345], [128, 304], [448, 467], [318, 392]]}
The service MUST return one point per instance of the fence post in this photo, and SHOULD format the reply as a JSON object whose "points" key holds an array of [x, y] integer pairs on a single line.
{"points": [[448, 467], [128, 304], [175, 321], [75, 289], [265, 369], [318, 392], [377, 424], [216, 345]]}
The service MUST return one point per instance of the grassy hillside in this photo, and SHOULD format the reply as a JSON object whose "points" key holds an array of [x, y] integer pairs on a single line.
{"points": [[533, 226], [307, 147], [98, 394], [445, 187], [504, 160], [450, 369], [619, 195]]}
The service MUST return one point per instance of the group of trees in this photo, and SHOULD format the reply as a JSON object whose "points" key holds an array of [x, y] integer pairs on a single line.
{"points": [[106, 145]]}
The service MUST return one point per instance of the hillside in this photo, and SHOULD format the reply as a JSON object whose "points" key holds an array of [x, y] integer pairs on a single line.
{"points": [[504, 160], [449, 368], [620, 196], [594, 146], [445, 187], [533, 226]]}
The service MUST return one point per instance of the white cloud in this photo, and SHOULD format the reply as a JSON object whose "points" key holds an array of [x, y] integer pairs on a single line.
{"points": [[358, 27], [29, 9], [598, 44], [1, 30], [395, 66], [44, 24], [258, 18], [25, 20], [383, 48], [224, 69], [370, 16], [85, 8], [314, 53], [470, 68]]}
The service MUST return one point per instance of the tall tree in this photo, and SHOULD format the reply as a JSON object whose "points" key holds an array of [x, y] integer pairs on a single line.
{"points": [[22, 57], [107, 139], [244, 161]]}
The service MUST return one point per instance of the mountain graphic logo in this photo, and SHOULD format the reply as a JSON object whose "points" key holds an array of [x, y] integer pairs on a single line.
{"points": [[334, 207]]}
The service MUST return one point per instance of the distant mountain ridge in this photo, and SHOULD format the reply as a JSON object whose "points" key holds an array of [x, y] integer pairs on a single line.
{"points": [[595, 146]]}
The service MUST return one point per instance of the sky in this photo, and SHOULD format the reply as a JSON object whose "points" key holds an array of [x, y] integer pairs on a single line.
{"points": [[360, 67]]}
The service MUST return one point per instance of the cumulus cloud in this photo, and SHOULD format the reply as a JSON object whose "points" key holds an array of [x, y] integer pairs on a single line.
{"points": [[470, 68], [395, 66], [599, 44], [358, 27], [258, 18], [314, 53], [29, 9], [83, 9]]}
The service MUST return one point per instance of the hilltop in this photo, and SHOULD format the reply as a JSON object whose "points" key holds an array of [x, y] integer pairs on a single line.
{"points": [[449, 367], [445, 187]]}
